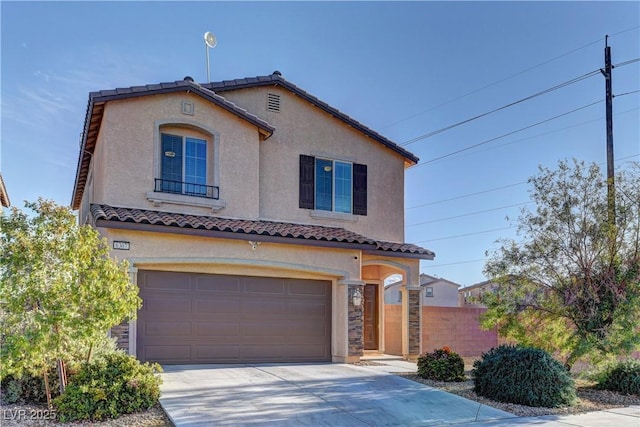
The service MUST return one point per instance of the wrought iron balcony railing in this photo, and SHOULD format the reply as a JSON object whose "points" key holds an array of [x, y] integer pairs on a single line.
{"points": [[187, 188]]}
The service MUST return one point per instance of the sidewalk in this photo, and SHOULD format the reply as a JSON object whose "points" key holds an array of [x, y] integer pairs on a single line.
{"points": [[617, 417]]}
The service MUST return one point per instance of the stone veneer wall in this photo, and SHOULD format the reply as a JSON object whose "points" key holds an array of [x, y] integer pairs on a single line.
{"points": [[356, 321], [121, 334], [414, 322]]}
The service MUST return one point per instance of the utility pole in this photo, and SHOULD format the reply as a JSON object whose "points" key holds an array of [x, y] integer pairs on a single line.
{"points": [[611, 191]]}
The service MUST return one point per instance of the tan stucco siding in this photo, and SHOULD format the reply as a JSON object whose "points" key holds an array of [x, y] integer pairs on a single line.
{"points": [[302, 128], [127, 154], [174, 252]]}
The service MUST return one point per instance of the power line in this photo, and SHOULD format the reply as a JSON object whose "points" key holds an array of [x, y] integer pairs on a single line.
{"points": [[626, 93], [456, 263], [507, 134], [506, 78], [535, 95], [468, 214], [527, 98], [622, 64], [553, 131], [494, 189], [463, 235], [499, 81], [467, 195]]}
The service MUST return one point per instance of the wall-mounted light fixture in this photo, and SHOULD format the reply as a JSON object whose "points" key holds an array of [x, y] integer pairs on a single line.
{"points": [[356, 298], [254, 245]]}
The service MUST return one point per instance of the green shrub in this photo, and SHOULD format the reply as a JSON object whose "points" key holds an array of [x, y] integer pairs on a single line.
{"points": [[441, 365], [113, 385], [623, 377], [523, 375], [29, 388]]}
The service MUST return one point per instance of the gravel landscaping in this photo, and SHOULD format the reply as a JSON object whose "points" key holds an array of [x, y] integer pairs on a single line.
{"points": [[33, 415]]}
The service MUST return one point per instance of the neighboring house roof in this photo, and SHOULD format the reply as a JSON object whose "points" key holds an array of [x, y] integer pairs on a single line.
{"points": [[256, 230], [95, 109], [427, 280], [478, 285], [276, 79], [4, 196]]}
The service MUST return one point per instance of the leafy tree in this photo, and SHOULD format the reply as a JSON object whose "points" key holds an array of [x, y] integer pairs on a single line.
{"points": [[60, 290], [571, 284]]}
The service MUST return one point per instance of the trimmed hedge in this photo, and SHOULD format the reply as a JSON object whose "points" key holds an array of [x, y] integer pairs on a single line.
{"points": [[523, 375], [441, 365]]}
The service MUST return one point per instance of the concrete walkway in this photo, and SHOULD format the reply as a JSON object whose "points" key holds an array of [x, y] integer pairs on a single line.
{"points": [[338, 395]]}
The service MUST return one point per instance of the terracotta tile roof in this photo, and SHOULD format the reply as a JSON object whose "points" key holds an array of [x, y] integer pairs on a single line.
{"points": [[252, 229], [407, 248], [277, 79]]}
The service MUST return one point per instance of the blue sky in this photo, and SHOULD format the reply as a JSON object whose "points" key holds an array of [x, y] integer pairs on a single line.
{"points": [[403, 69]]}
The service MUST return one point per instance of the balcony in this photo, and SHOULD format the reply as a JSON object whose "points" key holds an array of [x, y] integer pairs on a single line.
{"points": [[187, 189]]}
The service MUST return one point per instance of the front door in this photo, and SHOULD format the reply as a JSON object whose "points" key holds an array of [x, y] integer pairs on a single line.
{"points": [[370, 317]]}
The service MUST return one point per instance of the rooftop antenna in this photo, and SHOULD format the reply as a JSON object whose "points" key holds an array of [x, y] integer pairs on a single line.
{"points": [[209, 42]]}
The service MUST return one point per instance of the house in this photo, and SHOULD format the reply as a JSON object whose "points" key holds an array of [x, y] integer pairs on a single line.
{"points": [[437, 292], [259, 222], [4, 196], [471, 296]]}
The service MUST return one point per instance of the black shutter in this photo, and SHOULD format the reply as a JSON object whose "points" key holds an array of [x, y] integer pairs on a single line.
{"points": [[359, 189], [307, 181]]}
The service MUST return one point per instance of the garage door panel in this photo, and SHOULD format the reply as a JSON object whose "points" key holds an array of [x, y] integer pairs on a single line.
{"points": [[168, 353], [260, 308], [310, 329], [264, 285], [167, 329], [216, 329], [219, 306], [219, 284], [169, 281], [198, 318], [302, 310], [216, 353], [307, 287], [167, 304]]}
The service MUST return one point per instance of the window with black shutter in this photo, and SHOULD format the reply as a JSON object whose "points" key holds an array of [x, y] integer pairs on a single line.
{"points": [[332, 185]]}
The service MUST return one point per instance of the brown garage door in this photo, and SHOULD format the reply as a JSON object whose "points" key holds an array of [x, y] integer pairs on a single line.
{"points": [[204, 318]]}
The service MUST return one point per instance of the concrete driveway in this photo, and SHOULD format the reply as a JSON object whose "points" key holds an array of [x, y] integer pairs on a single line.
{"points": [[309, 395]]}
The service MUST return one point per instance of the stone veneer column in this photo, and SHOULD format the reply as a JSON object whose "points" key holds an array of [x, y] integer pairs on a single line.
{"points": [[356, 322], [415, 317], [125, 332]]}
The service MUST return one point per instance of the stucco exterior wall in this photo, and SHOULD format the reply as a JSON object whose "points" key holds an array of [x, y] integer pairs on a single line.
{"points": [[302, 128], [126, 159]]}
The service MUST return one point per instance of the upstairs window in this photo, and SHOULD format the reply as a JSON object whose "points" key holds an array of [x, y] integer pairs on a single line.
{"points": [[332, 185], [183, 168]]}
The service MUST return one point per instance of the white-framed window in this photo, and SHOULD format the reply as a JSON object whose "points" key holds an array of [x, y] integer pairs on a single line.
{"points": [[334, 188], [428, 291]]}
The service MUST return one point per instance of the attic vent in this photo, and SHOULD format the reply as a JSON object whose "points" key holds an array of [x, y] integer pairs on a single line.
{"points": [[273, 102]]}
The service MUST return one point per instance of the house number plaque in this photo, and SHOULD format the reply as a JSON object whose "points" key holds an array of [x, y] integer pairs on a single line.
{"points": [[121, 245]]}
